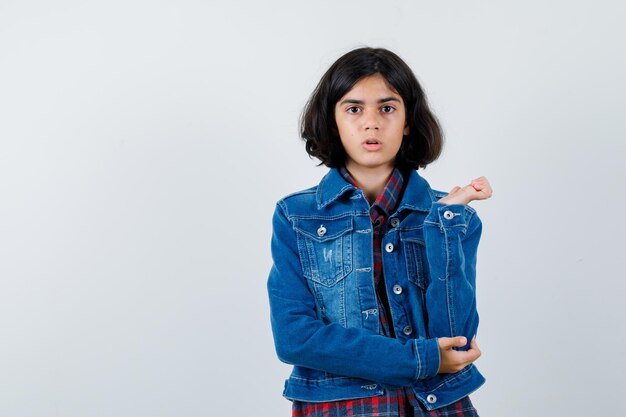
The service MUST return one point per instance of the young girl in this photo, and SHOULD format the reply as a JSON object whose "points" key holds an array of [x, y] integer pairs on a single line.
{"points": [[372, 291]]}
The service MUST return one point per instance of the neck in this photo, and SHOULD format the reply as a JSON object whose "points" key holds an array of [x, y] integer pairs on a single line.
{"points": [[371, 180]]}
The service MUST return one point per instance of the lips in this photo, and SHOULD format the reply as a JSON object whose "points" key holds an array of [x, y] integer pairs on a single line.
{"points": [[371, 144]]}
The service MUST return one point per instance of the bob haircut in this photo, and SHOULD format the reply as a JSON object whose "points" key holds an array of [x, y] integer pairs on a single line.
{"points": [[318, 127]]}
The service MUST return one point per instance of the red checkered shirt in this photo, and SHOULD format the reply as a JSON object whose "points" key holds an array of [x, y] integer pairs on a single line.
{"points": [[395, 402]]}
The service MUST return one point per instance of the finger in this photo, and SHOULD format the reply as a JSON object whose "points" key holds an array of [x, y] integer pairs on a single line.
{"points": [[459, 341], [468, 356], [450, 342], [473, 351], [474, 347], [486, 191], [480, 180], [479, 191], [473, 354], [472, 191], [478, 185], [481, 183], [454, 190], [461, 358]]}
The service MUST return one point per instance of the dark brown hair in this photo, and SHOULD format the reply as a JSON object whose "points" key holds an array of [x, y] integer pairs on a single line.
{"points": [[318, 128]]}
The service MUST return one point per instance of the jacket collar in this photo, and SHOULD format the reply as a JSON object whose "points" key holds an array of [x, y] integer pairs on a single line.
{"points": [[417, 193]]}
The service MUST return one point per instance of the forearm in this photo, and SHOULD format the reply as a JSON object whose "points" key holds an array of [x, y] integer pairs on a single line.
{"points": [[301, 339]]}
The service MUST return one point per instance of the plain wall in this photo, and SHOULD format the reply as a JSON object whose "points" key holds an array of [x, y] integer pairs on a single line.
{"points": [[143, 145]]}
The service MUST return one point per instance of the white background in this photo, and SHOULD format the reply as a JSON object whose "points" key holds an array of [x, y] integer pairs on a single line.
{"points": [[143, 145]]}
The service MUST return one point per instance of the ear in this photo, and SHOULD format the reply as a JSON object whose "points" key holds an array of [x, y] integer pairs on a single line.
{"points": [[406, 129]]}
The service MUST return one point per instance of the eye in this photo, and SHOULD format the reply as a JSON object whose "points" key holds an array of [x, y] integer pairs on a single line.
{"points": [[353, 110], [387, 109]]}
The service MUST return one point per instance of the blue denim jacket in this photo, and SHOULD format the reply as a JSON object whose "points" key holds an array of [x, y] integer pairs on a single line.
{"points": [[323, 304]]}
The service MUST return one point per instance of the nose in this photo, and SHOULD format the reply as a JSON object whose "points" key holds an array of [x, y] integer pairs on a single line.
{"points": [[371, 120]]}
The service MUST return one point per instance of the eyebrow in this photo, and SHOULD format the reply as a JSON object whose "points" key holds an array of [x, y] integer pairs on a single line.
{"points": [[382, 100]]}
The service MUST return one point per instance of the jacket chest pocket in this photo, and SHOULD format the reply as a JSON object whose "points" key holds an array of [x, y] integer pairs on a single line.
{"points": [[415, 257], [325, 248]]}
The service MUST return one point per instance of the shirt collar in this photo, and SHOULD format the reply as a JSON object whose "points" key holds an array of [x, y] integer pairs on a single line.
{"points": [[388, 200], [417, 192]]}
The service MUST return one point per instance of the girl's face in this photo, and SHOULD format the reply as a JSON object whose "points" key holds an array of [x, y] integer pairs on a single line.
{"points": [[371, 123]]}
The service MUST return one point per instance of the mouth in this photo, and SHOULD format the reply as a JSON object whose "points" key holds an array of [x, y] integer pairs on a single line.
{"points": [[372, 144]]}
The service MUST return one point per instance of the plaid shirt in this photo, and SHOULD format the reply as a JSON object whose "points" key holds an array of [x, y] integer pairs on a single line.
{"points": [[400, 402]]}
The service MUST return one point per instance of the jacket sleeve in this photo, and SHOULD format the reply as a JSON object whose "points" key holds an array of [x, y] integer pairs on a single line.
{"points": [[451, 234], [302, 339]]}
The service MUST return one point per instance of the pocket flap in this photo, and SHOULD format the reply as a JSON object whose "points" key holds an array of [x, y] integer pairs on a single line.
{"points": [[323, 229]]}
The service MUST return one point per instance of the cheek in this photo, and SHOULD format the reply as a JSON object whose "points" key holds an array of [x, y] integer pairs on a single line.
{"points": [[340, 127], [345, 131]]}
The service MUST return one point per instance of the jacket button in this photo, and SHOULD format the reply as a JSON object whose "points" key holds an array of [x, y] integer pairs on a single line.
{"points": [[395, 222], [431, 398], [407, 330], [397, 289], [448, 215], [321, 231], [389, 247]]}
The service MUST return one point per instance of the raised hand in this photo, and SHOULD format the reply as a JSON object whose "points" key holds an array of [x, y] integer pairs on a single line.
{"points": [[478, 189]]}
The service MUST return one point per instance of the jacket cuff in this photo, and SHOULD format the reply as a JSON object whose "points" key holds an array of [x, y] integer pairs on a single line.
{"points": [[428, 357], [449, 215]]}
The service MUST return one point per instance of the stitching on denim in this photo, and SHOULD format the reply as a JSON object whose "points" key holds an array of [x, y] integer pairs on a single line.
{"points": [[342, 308], [402, 228], [320, 379], [303, 255], [283, 206], [455, 412], [368, 269], [419, 361], [343, 189], [449, 299], [363, 231], [452, 377], [349, 214]]}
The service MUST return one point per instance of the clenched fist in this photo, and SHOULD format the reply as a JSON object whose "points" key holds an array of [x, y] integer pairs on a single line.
{"points": [[478, 189]]}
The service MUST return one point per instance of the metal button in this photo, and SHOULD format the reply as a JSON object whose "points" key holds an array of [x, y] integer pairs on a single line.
{"points": [[431, 398], [389, 247], [407, 330], [321, 231], [395, 222], [448, 215], [397, 289]]}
